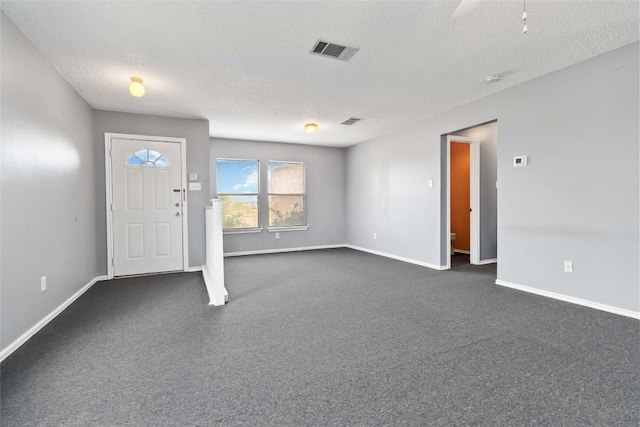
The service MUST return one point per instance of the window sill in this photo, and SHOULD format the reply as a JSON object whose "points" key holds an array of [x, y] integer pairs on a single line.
{"points": [[279, 229], [246, 231]]}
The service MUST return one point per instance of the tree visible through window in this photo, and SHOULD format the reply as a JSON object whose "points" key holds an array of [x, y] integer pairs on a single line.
{"points": [[238, 188], [287, 193]]}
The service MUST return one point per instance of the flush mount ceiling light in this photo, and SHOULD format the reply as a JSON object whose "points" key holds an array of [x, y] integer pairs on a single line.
{"points": [[135, 87], [310, 128], [493, 78]]}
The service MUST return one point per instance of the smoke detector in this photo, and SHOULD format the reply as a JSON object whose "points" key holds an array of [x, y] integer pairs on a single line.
{"points": [[493, 78], [333, 50]]}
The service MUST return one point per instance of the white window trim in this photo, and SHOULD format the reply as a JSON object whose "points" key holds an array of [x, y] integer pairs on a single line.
{"points": [[242, 230], [275, 229], [285, 228]]}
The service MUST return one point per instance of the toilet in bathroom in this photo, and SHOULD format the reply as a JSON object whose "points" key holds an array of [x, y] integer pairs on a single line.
{"points": [[453, 239]]}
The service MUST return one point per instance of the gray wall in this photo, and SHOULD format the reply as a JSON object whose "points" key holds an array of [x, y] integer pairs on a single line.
{"points": [[488, 136], [48, 224], [196, 133], [325, 193], [387, 194], [577, 200]]}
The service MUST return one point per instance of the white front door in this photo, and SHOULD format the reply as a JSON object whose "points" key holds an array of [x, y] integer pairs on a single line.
{"points": [[147, 201]]}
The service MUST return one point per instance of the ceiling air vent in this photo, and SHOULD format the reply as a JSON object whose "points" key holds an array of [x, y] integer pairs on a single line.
{"points": [[350, 121], [333, 50]]}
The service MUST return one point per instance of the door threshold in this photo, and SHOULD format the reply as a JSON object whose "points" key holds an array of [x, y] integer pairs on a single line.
{"points": [[148, 274]]}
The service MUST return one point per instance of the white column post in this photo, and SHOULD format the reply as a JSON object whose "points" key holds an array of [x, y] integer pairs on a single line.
{"points": [[213, 270]]}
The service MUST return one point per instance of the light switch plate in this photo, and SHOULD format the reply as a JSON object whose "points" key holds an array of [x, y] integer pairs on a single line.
{"points": [[195, 186], [193, 177]]}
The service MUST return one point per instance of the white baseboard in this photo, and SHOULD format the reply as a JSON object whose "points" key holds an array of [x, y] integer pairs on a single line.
{"points": [[275, 251], [399, 258], [41, 324], [461, 251], [487, 261], [193, 269], [573, 300]]}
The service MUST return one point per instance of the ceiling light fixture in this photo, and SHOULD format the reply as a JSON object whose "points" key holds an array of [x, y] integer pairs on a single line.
{"points": [[310, 128], [135, 87], [493, 78]]}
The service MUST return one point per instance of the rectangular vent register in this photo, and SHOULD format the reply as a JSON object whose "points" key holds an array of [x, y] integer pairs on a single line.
{"points": [[333, 50], [350, 121]]}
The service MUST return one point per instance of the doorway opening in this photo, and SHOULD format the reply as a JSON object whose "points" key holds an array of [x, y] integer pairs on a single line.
{"points": [[460, 203], [463, 200], [469, 158]]}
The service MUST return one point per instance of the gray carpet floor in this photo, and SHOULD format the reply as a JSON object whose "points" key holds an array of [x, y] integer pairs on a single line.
{"points": [[325, 338]]}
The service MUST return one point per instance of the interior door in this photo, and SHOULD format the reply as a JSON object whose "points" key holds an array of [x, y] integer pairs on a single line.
{"points": [[147, 206]]}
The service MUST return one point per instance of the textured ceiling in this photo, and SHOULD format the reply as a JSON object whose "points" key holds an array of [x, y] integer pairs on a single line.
{"points": [[246, 67]]}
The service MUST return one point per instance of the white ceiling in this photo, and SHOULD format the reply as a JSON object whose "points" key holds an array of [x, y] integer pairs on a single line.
{"points": [[246, 67]]}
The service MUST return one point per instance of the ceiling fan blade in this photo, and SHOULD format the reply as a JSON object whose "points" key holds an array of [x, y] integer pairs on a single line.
{"points": [[465, 7]]}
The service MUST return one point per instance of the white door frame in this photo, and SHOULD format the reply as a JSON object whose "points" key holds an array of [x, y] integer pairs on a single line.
{"points": [[474, 173], [108, 137]]}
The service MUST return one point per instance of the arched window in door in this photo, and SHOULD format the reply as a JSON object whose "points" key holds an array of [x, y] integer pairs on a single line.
{"points": [[146, 158]]}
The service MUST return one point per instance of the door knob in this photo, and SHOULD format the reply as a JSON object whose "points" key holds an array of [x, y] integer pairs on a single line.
{"points": [[177, 213], [177, 205]]}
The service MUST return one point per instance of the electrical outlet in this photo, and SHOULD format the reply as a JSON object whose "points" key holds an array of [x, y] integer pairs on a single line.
{"points": [[568, 266], [43, 283], [375, 236], [277, 235], [430, 183]]}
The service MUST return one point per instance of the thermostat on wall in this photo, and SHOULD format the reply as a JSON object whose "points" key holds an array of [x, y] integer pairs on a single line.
{"points": [[520, 161]]}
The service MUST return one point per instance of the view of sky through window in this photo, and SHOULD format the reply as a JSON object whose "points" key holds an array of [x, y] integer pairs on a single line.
{"points": [[237, 177], [238, 182], [146, 158]]}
